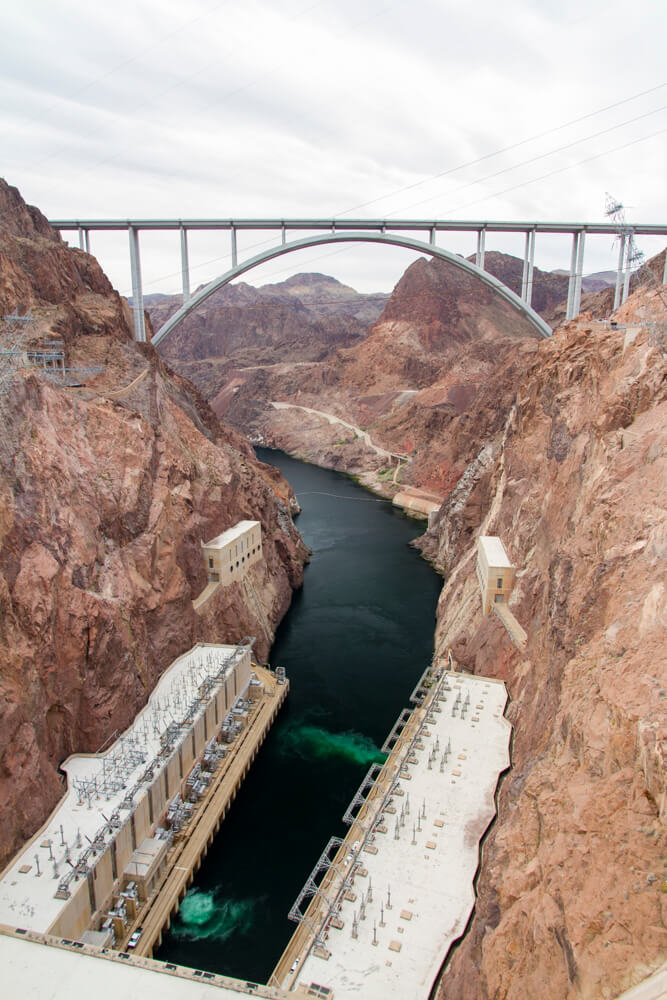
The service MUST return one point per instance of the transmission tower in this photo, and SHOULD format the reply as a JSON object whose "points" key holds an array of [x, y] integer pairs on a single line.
{"points": [[630, 257], [636, 259], [13, 330]]}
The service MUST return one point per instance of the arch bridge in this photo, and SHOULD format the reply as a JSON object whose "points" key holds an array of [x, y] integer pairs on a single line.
{"points": [[389, 232]]}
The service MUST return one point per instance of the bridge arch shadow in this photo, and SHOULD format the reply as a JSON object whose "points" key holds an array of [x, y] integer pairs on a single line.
{"points": [[389, 239]]}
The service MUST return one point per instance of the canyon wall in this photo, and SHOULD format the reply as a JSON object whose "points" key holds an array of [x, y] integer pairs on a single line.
{"points": [[572, 889], [558, 446], [109, 480], [426, 359]]}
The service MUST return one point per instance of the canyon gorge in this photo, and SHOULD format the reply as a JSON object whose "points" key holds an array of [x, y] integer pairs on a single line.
{"points": [[557, 445]]}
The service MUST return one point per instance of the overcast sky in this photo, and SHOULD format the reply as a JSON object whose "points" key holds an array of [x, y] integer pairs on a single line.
{"points": [[365, 108]]}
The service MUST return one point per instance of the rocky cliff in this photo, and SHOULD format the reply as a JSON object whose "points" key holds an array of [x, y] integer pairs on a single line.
{"points": [[108, 483], [550, 288], [572, 890], [401, 380], [426, 359], [303, 319]]}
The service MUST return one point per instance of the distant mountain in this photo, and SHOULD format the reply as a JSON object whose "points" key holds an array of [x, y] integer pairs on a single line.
{"points": [[328, 297], [302, 318], [592, 282]]}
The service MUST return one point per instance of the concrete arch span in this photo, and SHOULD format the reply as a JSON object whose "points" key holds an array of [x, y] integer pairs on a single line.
{"points": [[389, 239]]}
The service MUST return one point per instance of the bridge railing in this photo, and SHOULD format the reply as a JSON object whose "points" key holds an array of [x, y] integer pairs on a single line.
{"points": [[431, 227]]}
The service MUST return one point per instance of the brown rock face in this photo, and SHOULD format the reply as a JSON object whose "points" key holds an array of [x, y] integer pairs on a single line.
{"points": [[305, 318], [549, 288], [427, 359], [105, 494], [572, 900]]}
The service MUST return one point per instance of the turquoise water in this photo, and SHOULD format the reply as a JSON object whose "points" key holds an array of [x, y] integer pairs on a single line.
{"points": [[354, 642], [315, 743], [204, 916]]}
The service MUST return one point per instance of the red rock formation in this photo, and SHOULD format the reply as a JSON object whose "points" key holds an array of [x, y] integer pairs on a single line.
{"points": [[426, 359], [572, 900], [305, 318], [105, 494]]}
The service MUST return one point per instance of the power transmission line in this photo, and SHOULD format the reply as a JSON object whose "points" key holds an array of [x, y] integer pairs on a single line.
{"points": [[500, 152], [540, 156], [560, 170]]}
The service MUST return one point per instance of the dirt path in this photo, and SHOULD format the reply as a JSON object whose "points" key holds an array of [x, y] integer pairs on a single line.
{"points": [[115, 393], [364, 435]]}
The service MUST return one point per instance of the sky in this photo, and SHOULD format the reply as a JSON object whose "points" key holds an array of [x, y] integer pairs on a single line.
{"points": [[334, 108]]}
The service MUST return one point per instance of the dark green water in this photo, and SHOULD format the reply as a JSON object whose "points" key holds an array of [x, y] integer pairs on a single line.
{"points": [[354, 642]]}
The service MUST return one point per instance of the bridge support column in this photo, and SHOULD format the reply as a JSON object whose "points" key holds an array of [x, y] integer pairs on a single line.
{"points": [[235, 258], [432, 237], [578, 278], [84, 239], [664, 271], [528, 263], [137, 293], [619, 272], [628, 264], [479, 256], [185, 265], [569, 313]]}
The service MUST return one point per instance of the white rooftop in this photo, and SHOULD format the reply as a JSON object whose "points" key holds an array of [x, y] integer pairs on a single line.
{"points": [[426, 887], [494, 551], [35, 971], [27, 899], [220, 541]]}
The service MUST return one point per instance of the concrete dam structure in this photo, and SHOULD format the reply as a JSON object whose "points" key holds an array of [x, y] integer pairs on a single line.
{"points": [[105, 863]]}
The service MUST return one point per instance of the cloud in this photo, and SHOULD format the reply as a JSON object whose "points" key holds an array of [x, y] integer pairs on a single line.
{"points": [[298, 108]]}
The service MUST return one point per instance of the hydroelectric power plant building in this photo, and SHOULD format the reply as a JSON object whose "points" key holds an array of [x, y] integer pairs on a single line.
{"points": [[495, 572], [89, 873], [230, 554]]}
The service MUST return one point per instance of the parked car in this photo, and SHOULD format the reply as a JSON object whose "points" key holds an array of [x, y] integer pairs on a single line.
{"points": [[134, 940]]}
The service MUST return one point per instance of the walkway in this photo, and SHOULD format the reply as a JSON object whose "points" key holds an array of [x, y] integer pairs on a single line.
{"points": [[36, 967], [514, 629], [115, 393], [207, 593]]}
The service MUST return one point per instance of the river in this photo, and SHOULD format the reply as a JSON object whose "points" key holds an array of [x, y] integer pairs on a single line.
{"points": [[354, 642]]}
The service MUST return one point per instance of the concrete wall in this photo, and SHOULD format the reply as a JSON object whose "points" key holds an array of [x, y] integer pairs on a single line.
{"points": [[123, 846], [200, 735], [211, 724], [103, 881], [142, 822], [75, 918], [173, 775], [243, 672]]}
